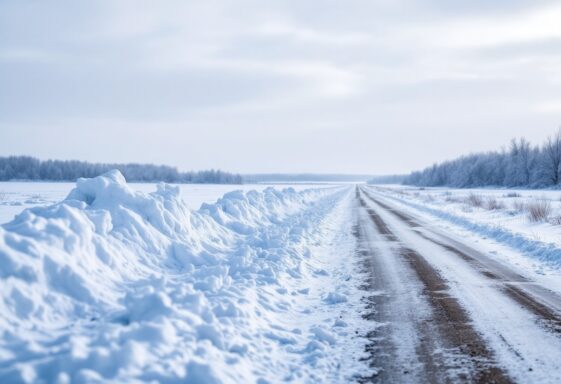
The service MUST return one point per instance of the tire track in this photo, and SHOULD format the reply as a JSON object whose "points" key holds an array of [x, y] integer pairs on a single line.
{"points": [[447, 347], [509, 281]]}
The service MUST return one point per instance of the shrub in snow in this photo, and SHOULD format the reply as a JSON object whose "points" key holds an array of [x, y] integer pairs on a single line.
{"points": [[474, 200], [519, 206], [539, 210], [555, 220], [453, 199], [492, 204]]}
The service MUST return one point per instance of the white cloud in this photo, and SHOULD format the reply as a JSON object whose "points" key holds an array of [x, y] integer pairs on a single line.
{"points": [[285, 30], [487, 31], [550, 106], [372, 75]]}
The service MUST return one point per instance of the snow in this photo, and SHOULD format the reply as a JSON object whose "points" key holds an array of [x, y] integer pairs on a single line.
{"points": [[113, 284], [506, 224], [532, 249], [16, 196], [508, 328]]}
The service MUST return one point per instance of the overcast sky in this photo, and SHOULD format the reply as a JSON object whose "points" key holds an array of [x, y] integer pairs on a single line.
{"points": [[371, 86]]}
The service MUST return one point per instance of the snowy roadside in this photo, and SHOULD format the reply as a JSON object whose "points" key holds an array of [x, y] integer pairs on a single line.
{"points": [[513, 318], [17, 196], [113, 285], [502, 232]]}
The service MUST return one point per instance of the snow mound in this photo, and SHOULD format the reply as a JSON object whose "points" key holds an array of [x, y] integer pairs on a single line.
{"points": [[116, 285]]}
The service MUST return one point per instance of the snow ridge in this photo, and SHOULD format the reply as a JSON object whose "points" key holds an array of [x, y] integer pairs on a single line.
{"points": [[549, 254], [117, 285]]}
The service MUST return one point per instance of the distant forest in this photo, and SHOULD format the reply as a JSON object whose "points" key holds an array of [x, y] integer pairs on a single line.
{"points": [[303, 178], [389, 179], [30, 168], [521, 165]]}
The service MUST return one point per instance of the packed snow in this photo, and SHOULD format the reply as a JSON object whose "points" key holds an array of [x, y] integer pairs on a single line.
{"points": [[499, 220], [118, 285], [522, 345]]}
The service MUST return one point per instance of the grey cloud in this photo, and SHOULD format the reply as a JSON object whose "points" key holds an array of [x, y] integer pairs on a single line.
{"points": [[359, 86]]}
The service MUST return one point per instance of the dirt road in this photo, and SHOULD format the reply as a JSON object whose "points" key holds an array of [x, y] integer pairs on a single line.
{"points": [[442, 311]]}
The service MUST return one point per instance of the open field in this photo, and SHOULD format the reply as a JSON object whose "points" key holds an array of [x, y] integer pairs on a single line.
{"points": [[16, 196]]}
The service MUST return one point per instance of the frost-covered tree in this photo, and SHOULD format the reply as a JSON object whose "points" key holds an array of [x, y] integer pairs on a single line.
{"points": [[519, 166], [551, 158], [29, 168], [522, 165]]}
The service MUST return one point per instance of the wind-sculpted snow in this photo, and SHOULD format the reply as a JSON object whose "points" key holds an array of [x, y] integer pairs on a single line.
{"points": [[117, 285], [538, 250]]}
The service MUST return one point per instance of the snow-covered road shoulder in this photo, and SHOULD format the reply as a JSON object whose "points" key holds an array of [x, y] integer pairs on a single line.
{"points": [[122, 286], [501, 232]]}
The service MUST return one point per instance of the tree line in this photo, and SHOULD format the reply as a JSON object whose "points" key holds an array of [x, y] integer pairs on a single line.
{"points": [[30, 168], [303, 177], [520, 165], [387, 179]]}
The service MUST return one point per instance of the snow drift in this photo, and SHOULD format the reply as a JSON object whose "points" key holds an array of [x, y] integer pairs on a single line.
{"points": [[117, 285], [544, 252]]}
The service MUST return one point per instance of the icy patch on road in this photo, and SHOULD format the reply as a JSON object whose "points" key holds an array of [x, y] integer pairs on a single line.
{"points": [[122, 286]]}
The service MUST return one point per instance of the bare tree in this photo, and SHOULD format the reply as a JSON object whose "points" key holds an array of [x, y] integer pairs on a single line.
{"points": [[525, 156], [520, 163], [552, 157]]}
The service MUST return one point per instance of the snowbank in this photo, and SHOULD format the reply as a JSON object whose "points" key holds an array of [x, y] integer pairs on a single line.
{"points": [[117, 285], [548, 253]]}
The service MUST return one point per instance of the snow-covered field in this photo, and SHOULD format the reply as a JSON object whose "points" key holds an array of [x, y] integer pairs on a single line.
{"points": [[501, 217], [104, 281], [16, 196], [117, 285]]}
